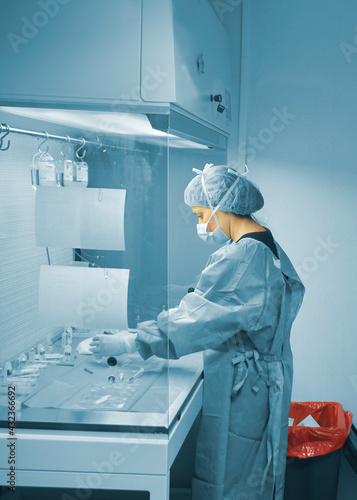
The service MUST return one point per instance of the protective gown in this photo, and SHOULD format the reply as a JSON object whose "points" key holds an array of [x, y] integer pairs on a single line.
{"points": [[240, 316]]}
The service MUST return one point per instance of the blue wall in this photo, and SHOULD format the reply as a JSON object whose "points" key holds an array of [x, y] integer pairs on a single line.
{"points": [[303, 65]]}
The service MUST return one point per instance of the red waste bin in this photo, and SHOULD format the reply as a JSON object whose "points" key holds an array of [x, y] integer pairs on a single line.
{"points": [[314, 453]]}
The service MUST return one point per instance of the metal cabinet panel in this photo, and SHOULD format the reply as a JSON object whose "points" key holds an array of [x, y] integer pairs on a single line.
{"points": [[202, 59], [85, 452], [70, 51], [157, 64]]}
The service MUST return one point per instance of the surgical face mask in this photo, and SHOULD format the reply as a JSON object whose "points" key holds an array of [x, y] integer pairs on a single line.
{"points": [[214, 237]]}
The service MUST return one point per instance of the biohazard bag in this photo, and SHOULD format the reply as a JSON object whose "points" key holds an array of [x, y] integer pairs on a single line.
{"points": [[335, 425]]}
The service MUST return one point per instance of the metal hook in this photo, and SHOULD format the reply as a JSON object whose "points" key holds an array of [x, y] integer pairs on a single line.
{"points": [[3, 137], [68, 140], [43, 142], [79, 149]]}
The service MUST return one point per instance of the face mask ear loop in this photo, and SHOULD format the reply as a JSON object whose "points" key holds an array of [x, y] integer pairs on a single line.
{"points": [[209, 202]]}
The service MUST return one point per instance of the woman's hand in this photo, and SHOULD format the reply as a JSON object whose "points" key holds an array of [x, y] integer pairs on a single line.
{"points": [[113, 345]]}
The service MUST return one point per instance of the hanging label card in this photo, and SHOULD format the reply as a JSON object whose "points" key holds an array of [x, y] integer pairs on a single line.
{"points": [[83, 297], [86, 218]]}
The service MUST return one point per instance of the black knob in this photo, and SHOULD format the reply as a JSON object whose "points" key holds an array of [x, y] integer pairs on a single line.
{"points": [[220, 108], [216, 98], [111, 361], [190, 290]]}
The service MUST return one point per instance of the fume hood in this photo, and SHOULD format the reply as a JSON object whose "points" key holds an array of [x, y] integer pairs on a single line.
{"points": [[127, 55]]}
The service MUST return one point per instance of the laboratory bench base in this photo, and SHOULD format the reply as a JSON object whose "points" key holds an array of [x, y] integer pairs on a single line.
{"points": [[145, 466], [93, 460]]}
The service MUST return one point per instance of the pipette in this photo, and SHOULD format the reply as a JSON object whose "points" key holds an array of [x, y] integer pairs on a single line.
{"points": [[136, 375]]}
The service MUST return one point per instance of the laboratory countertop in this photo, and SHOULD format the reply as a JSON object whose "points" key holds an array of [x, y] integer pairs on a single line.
{"points": [[133, 396]]}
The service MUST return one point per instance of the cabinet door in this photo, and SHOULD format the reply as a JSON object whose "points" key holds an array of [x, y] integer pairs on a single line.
{"points": [[83, 51], [202, 56]]}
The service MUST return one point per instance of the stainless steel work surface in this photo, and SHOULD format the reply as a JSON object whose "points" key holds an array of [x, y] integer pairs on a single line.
{"points": [[133, 396]]}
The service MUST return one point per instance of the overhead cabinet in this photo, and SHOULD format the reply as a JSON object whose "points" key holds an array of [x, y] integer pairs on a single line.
{"points": [[113, 53], [81, 51]]}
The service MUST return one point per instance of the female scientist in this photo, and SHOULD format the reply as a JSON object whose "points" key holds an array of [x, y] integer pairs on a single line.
{"points": [[240, 315]]}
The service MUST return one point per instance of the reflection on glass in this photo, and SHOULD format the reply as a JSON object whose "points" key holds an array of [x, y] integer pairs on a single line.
{"points": [[133, 153]]}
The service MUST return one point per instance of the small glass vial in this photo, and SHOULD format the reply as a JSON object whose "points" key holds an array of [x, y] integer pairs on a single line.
{"points": [[7, 370], [49, 344], [69, 331], [67, 336], [41, 351], [32, 355], [67, 355], [16, 364], [22, 361]]}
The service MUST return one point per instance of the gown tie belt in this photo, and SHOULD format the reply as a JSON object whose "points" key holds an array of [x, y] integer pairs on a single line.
{"points": [[273, 431], [241, 361]]}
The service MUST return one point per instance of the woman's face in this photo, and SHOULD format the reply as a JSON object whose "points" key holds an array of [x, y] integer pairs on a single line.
{"points": [[203, 214]]}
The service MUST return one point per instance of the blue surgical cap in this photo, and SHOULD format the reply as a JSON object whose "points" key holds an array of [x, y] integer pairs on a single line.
{"points": [[245, 197]]}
